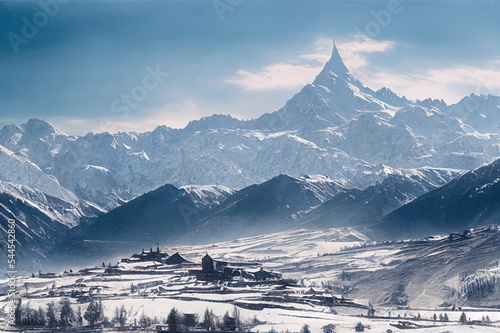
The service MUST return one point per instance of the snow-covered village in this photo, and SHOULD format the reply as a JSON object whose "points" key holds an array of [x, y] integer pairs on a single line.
{"points": [[309, 282]]}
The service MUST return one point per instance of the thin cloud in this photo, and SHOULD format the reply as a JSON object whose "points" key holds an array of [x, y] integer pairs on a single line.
{"points": [[450, 84], [175, 115], [11, 120], [301, 70], [354, 53], [275, 77]]}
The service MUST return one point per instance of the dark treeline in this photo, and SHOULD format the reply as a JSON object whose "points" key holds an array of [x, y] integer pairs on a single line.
{"points": [[478, 285], [62, 314]]}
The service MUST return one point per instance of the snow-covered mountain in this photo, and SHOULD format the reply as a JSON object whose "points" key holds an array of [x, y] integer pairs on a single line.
{"points": [[265, 207], [334, 98], [355, 207], [36, 229], [334, 126], [481, 113], [207, 196], [202, 213], [41, 220], [468, 201], [155, 216], [63, 211], [208, 214]]}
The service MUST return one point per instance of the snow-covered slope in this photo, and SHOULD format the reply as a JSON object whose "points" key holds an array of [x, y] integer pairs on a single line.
{"points": [[156, 216], [269, 206], [202, 213], [482, 113], [208, 196], [19, 169], [470, 200], [62, 211], [41, 220], [36, 230], [354, 207]]}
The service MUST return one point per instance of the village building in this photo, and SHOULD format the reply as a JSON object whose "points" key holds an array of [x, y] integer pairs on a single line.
{"points": [[46, 275], [208, 264], [176, 259], [263, 275], [150, 255], [208, 270], [216, 270]]}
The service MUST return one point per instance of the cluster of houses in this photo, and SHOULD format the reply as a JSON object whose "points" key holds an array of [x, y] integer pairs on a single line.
{"points": [[156, 256], [216, 270], [156, 261], [211, 270]]}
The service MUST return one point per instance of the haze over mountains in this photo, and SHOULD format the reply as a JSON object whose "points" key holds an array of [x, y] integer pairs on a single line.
{"points": [[367, 153]]}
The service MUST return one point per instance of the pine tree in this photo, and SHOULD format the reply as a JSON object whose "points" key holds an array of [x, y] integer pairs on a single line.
{"points": [[463, 318], [41, 317], [51, 315], [208, 321], [92, 314], [28, 318], [116, 316], [145, 321], [100, 310], [359, 327], [189, 320], [67, 314], [228, 323], [18, 313], [330, 328], [122, 315], [237, 318], [305, 329], [173, 321], [79, 318]]}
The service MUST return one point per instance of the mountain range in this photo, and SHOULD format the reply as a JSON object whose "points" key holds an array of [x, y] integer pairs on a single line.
{"points": [[368, 156]]}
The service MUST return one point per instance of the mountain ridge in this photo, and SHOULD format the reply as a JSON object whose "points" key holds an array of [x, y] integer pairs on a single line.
{"points": [[468, 201]]}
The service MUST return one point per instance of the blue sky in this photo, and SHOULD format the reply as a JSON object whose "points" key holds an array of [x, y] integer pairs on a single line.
{"points": [[88, 65]]}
